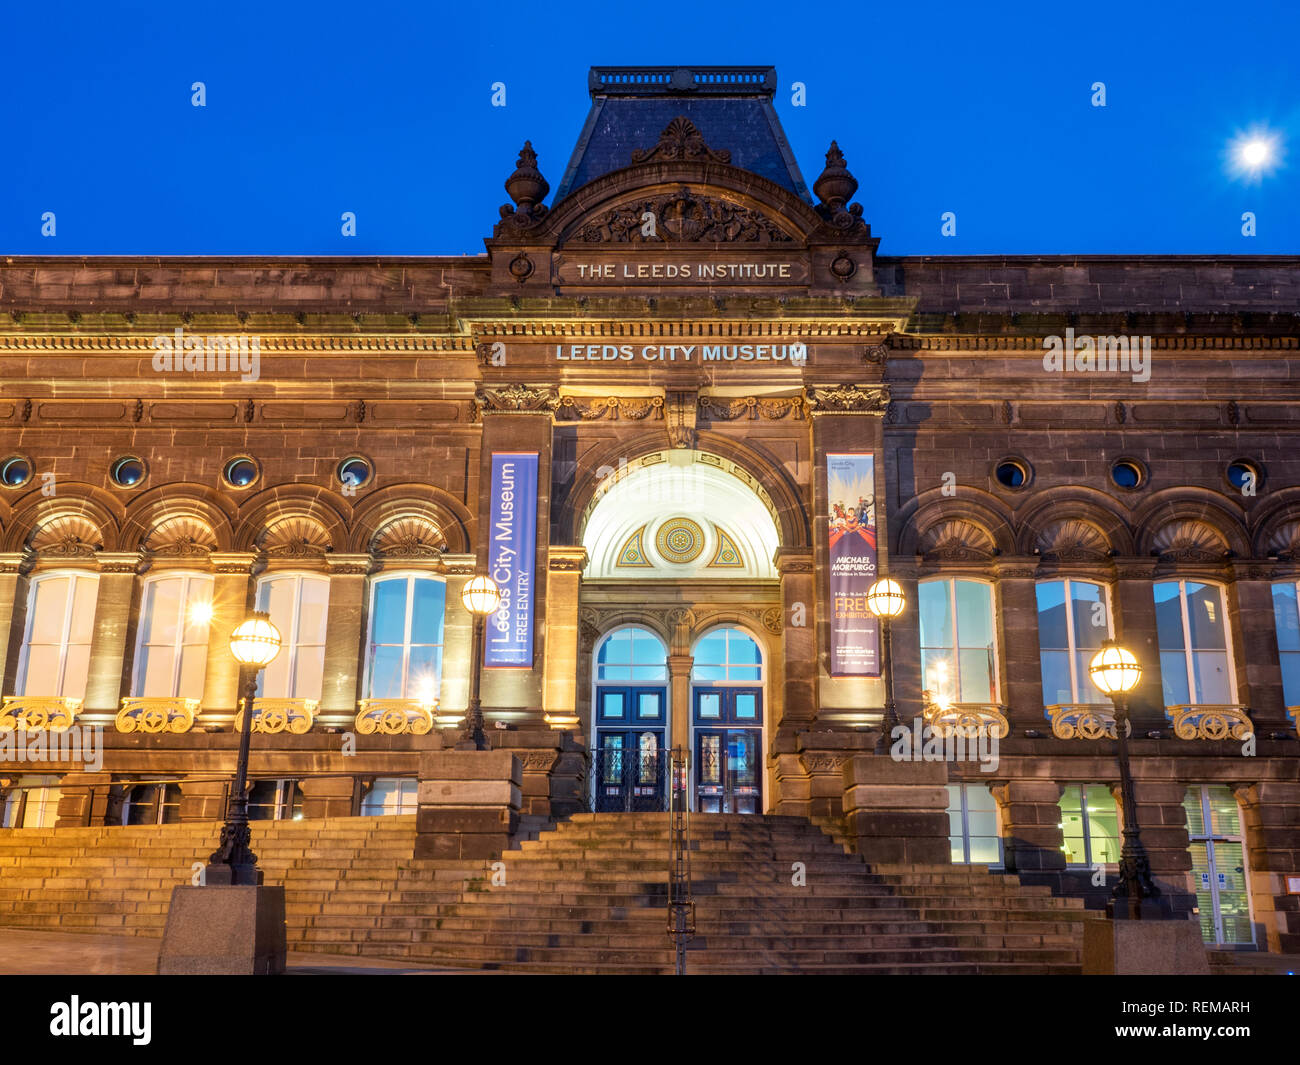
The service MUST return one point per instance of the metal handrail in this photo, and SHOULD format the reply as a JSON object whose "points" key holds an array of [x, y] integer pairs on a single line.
{"points": [[681, 906]]}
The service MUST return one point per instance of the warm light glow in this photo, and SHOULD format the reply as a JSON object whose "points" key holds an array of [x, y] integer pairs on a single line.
{"points": [[256, 641], [1254, 154], [1114, 670], [425, 691], [481, 596], [200, 614], [885, 599]]}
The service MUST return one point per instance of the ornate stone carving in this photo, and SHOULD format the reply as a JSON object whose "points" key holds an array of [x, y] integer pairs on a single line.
{"points": [[684, 217], [964, 719], [528, 189], [956, 540], [184, 536], [848, 399], [1086, 721], [538, 761], [717, 409], [273, 716], [821, 762], [835, 187], [1121, 412], [67, 536], [409, 538], [1072, 541], [515, 399], [876, 354], [773, 619], [38, 713], [573, 408], [294, 538], [395, 717], [680, 142], [1190, 541], [1210, 722], [681, 408], [157, 715]]}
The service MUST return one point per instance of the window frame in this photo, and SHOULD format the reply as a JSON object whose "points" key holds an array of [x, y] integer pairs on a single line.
{"points": [[291, 643], [961, 787], [995, 667], [1209, 837], [1077, 683], [287, 789], [1293, 654], [402, 808], [159, 804], [410, 576], [65, 630], [727, 664], [1188, 650], [178, 645], [1082, 790], [598, 665]]}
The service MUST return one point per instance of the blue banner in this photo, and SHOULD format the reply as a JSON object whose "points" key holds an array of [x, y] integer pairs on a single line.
{"points": [[851, 502], [512, 559]]}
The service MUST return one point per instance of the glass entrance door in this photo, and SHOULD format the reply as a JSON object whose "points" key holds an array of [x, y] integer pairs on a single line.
{"points": [[728, 727], [1218, 865], [628, 763]]}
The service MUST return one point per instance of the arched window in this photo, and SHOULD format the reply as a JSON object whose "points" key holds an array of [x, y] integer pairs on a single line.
{"points": [[727, 656], [958, 647], [404, 659], [172, 652], [56, 645], [1073, 620], [631, 654], [298, 605]]}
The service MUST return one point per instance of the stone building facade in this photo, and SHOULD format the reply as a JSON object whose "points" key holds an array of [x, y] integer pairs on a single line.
{"points": [[686, 338]]}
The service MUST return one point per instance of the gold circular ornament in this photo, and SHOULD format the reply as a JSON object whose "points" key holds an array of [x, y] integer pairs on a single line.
{"points": [[680, 540]]}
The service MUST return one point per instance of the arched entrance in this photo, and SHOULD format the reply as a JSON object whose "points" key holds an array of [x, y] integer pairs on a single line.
{"points": [[727, 715], [630, 721]]}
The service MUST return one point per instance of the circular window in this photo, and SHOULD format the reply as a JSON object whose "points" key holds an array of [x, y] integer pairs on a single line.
{"points": [[240, 472], [354, 471], [1245, 476], [1012, 473], [15, 471], [1128, 473], [128, 472]]}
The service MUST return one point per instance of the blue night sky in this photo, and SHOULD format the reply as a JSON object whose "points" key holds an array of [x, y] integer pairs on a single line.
{"points": [[384, 109]]}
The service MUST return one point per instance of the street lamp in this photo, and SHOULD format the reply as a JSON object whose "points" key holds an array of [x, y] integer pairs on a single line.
{"points": [[1116, 672], [481, 597], [885, 599], [254, 645]]}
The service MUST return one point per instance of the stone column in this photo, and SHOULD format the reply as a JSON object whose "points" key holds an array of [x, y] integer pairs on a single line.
{"points": [[108, 678], [1016, 617], [457, 638], [13, 615], [680, 665], [469, 804], [1272, 844], [897, 811], [560, 670], [344, 637], [798, 638], [83, 799], [203, 800], [1254, 645], [905, 644], [232, 599], [1135, 627], [1031, 825]]}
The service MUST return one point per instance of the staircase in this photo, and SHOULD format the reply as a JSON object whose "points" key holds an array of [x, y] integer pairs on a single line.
{"points": [[587, 897]]}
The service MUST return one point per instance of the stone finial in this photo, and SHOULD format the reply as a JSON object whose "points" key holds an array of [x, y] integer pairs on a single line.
{"points": [[527, 188], [835, 188]]}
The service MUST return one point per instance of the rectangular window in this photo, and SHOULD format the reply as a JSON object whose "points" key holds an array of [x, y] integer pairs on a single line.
{"points": [[1191, 624], [1073, 620], [391, 795], [1218, 865], [172, 652], [958, 652], [1090, 825], [973, 825], [55, 656], [33, 803], [406, 638], [275, 800], [299, 607], [152, 804], [1286, 619]]}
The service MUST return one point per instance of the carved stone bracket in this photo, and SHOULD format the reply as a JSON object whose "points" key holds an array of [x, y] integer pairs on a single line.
{"points": [[1210, 722], [514, 399], [848, 399]]}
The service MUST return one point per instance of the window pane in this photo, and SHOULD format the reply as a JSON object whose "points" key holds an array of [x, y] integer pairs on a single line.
{"points": [[198, 592], [935, 614], [48, 610], [647, 704], [386, 673], [276, 597], [309, 670], [611, 705], [388, 623], [710, 704], [746, 706], [1234, 903], [1169, 615], [712, 649], [1173, 677], [1285, 618], [741, 648], [617, 648], [156, 667], [83, 610], [424, 673], [1051, 616], [1103, 823], [647, 650], [41, 676], [938, 676], [709, 673], [976, 667], [1205, 616], [1056, 678], [1072, 826], [194, 667], [1199, 853], [1088, 604], [646, 673], [1225, 817], [974, 614], [273, 681], [426, 620], [1213, 683], [754, 673], [313, 611], [76, 668], [1192, 808], [162, 610], [1291, 677]]}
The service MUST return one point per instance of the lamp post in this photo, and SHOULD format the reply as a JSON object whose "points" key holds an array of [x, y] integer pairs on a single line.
{"points": [[254, 645], [481, 597], [1116, 672], [885, 599]]}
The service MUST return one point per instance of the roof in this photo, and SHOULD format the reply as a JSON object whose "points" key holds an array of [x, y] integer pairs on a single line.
{"points": [[730, 106]]}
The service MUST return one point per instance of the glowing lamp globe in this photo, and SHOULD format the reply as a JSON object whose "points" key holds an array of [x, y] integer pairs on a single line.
{"points": [[256, 642], [481, 596], [1114, 670], [885, 599]]}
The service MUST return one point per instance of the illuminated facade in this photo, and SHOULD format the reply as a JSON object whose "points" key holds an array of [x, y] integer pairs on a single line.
{"points": [[692, 391]]}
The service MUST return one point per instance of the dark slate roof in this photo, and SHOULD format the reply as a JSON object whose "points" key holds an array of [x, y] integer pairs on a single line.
{"points": [[730, 106]]}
